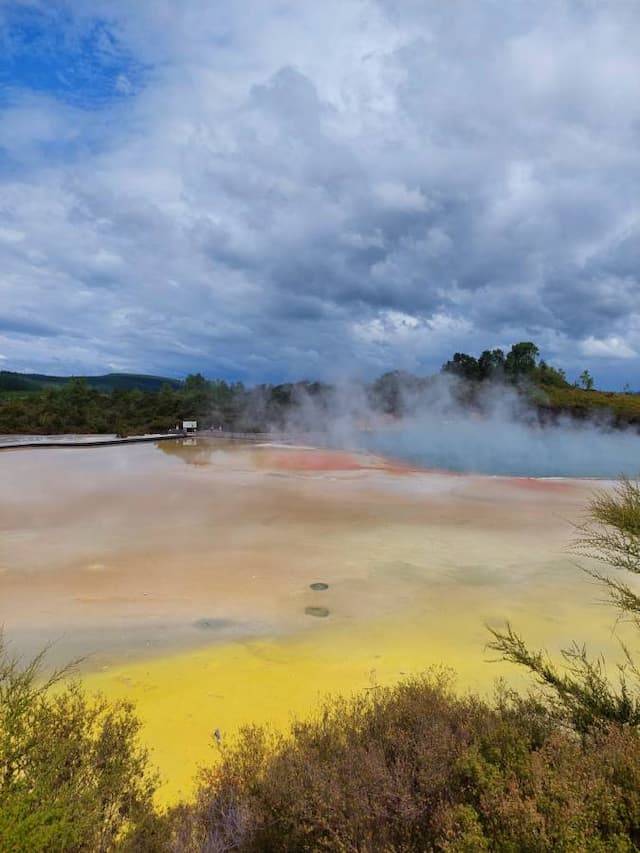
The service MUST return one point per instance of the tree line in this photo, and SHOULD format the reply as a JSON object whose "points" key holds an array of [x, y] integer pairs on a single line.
{"points": [[521, 363], [128, 405]]}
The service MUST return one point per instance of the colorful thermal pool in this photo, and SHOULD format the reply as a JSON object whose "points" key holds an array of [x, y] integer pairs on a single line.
{"points": [[183, 573]]}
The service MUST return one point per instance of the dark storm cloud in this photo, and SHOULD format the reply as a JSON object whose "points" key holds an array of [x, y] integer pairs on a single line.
{"points": [[309, 190]]}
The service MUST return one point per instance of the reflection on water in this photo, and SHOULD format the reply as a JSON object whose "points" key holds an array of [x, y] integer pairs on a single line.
{"points": [[239, 454], [485, 446], [193, 451]]}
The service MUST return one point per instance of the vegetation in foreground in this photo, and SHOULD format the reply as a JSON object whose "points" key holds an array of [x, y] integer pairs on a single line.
{"points": [[580, 688], [128, 404], [72, 774], [415, 767], [407, 768], [404, 768]]}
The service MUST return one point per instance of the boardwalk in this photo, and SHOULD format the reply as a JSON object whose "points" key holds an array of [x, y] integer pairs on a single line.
{"points": [[106, 441]]}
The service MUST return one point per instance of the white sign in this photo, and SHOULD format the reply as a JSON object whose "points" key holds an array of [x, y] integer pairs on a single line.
{"points": [[189, 424]]}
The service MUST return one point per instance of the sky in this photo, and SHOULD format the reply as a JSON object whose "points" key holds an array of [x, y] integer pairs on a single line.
{"points": [[269, 190]]}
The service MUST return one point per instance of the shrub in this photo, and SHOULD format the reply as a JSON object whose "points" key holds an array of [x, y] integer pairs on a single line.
{"points": [[581, 688], [415, 767], [72, 775]]}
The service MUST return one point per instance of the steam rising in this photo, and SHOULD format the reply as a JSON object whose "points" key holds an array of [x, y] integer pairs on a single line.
{"points": [[499, 446], [500, 434]]}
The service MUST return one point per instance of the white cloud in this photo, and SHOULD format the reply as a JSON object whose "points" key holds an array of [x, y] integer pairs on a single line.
{"points": [[293, 185], [612, 347], [123, 85]]}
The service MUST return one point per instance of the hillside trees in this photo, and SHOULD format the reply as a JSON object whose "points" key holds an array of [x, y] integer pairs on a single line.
{"points": [[391, 392], [520, 367], [76, 407], [491, 364], [520, 363], [521, 360]]}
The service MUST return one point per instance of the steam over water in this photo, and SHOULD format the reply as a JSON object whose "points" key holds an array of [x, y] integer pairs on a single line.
{"points": [[496, 445]]}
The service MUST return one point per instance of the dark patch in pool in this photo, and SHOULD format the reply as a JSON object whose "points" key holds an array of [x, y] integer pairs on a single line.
{"points": [[321, 612], [319, 585], [212, 624]]}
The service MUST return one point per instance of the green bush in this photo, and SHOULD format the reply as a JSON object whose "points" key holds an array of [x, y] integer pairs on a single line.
{"points": [[72, 774]]}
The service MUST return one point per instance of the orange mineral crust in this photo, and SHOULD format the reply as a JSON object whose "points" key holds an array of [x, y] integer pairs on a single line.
{"points": [[313, 459], [309, 460]]}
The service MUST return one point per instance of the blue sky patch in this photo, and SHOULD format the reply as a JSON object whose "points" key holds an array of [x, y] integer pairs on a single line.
{"points": [[47, 50]]}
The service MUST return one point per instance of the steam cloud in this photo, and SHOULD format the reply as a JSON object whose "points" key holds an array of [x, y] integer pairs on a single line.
{"points": [[501, 436]]}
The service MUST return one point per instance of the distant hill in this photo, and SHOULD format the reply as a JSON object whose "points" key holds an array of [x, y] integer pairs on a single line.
{"points": [[26, 382]]}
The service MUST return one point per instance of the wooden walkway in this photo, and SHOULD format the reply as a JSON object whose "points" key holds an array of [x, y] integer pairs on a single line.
{"points": [[88, 442], [138, 439]]}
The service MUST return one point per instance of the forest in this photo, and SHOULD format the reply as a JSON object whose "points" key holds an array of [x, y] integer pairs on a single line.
{"points": [[131, 404]]}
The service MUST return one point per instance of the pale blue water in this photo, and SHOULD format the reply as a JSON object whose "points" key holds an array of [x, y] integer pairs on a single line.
{"points": [[510, 448]]}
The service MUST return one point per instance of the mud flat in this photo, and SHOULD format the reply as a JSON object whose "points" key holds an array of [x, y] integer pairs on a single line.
{"points": [[183, 572]]}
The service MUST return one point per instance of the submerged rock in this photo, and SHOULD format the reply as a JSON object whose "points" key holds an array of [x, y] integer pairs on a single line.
{"points": [[212, 624], [320, 612]]}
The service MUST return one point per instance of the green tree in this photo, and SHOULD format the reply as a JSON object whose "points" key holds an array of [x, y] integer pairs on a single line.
{"points": [[391, 391], [545, 374], [464, 366], [586, 380], [195, 383], [521, 360], [491, 364]]}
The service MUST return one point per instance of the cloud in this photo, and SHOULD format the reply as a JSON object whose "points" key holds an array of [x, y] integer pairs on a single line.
{"points": [[612, 347], [265, 190]]}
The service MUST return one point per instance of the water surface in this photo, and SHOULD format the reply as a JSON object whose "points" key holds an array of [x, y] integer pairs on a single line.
{"points": [[183, 572]]}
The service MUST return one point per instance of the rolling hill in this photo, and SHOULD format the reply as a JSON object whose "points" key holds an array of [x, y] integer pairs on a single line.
{"points": [[29, 382]]}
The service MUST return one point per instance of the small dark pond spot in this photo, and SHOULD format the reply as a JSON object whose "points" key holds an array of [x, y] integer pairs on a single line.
{"points": [[319, 585], [212, 624], [317, 611]]}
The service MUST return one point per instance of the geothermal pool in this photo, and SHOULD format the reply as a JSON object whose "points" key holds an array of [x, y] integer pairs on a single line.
{"points": [[506, 446], [182, 572]]}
